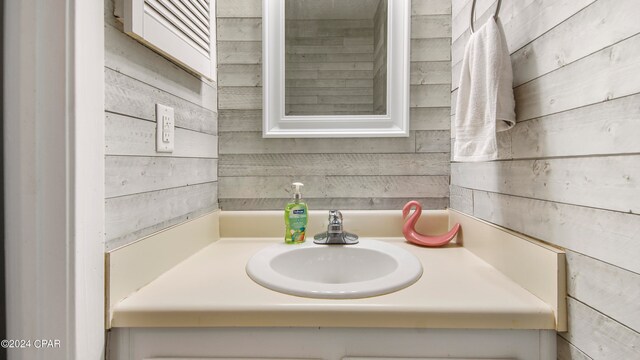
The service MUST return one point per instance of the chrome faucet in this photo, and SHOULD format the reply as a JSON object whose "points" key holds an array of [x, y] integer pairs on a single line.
{"points": [[335, 235]]}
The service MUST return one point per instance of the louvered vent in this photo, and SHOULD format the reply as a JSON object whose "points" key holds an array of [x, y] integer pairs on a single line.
{"points": [[187, 18], [180, 29]]}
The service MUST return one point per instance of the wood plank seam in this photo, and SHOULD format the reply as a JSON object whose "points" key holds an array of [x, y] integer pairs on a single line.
{"points": [[551, 201]]}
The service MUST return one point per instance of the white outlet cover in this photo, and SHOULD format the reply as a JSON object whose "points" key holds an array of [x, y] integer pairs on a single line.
{"points": [[165, 128]]}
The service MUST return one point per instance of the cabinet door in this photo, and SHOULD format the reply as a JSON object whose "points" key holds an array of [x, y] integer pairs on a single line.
{"points": [[218, 358], [181, 30], [329, 344], [430, 358]]}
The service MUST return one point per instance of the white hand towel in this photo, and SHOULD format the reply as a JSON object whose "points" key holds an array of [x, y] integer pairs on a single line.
{"points": [[485, 95]]}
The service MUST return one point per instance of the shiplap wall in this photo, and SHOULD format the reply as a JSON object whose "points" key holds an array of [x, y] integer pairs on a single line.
{"points": [[148, 191], [380, 20], [363, 173], [329, 67], [569, 172]]}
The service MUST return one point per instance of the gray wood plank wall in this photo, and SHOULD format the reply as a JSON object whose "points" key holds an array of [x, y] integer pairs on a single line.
{"points": [[365, 173], [313, 85], [380, 59], [568, 172], [148, 191]]}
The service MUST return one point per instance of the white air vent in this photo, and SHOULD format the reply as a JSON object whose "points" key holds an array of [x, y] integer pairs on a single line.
{"points": [[183, 30]]}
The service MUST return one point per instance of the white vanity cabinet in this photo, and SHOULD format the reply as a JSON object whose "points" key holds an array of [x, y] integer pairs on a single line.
{"points": [[462, 307], [329, 344]]}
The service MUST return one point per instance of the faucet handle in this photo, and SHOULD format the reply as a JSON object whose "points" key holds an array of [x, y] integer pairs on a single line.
{"points": [[335, 217], [335, 222]]}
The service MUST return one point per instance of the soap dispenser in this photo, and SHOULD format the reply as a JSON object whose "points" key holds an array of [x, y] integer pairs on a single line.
{"points": [[296, 217]]}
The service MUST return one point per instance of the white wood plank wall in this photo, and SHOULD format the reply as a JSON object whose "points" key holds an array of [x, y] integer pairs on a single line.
{"points": [[365, 173], [148, 191], [569, 171], [380, 58], [329, 67]]}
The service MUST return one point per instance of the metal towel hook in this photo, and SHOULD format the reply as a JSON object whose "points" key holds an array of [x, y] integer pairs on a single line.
{"points": [[473, 12]]}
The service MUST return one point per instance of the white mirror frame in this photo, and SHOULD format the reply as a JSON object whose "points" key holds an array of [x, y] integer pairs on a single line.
{"points": [[394, 124]]}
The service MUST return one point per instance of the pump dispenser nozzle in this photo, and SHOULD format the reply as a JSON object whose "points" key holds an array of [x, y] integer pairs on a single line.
{"points": [[296, 190]]}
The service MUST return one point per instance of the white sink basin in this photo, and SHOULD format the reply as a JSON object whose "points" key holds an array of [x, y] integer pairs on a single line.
{"points": [[366, 269]]}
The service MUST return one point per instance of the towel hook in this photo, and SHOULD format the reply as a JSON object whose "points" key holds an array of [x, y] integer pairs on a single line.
{"points": [[473, 12]]}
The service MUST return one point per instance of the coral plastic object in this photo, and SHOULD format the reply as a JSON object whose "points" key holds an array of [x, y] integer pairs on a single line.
{"points": [[412, 236]]}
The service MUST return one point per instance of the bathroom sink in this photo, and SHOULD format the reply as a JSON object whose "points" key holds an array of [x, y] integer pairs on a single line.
{"points": [[366, 269]]}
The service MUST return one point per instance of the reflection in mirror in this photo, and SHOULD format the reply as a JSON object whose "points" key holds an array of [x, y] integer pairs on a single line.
{"points": [[335, 68], [336, 57]]}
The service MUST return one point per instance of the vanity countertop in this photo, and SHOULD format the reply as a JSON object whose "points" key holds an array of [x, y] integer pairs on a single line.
{"points": [[211, 289]]}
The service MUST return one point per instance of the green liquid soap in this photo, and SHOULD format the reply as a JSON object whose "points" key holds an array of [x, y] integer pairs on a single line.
{"points": [[296, 216]]}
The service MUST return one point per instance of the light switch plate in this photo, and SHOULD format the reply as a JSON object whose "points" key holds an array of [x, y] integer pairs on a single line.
{"points": [[165, 128]]}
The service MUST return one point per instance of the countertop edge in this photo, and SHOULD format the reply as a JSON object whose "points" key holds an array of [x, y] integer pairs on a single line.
{"points": [[326, 318]]}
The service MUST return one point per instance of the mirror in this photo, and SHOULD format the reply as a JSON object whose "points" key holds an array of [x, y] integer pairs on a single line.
{"points": [[335, 57], [335, 68]]}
